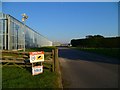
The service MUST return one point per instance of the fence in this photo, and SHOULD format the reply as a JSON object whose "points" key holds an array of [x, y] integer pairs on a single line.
{"points": [[21, 59]]}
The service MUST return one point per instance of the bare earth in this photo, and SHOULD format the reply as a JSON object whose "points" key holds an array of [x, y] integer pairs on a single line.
{"points": [[87, 70]]}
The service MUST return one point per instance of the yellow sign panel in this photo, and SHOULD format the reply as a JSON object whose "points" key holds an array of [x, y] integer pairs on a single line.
{"points": [[39, 57]]}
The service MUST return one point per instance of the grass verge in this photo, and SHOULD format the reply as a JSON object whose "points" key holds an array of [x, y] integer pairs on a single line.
{"points": [[15, 77], [109, 52]]}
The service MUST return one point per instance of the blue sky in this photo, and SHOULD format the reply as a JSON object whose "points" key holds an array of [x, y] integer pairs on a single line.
{"points": [[63, 21]]}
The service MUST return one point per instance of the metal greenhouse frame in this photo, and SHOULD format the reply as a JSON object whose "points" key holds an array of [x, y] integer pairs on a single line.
{"points": [[12, 35]]}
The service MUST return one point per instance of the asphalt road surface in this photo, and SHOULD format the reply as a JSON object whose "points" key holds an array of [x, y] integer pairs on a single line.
{"points": [[87, 70]]}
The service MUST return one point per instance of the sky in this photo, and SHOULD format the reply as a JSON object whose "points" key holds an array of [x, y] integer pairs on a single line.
{"points": [[61, 0], [63, 21]]}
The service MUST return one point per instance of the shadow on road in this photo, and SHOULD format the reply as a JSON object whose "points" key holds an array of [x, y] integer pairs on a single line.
{"points": [[82, 55]]}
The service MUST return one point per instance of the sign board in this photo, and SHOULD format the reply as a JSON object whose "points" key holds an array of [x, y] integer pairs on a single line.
{"points": [[36, 57], [37, 70]]}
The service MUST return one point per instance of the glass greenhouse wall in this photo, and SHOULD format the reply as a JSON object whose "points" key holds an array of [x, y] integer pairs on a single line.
{"points": [[12, 35]]}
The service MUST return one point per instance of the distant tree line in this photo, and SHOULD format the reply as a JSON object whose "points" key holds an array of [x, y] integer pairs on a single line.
{"points": [[96, 41]]}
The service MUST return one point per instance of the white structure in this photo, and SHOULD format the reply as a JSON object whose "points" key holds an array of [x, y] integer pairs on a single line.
{"points": [[12, 35]]}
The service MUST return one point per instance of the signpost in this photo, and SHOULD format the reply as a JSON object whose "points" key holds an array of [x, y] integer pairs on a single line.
{"points": [[34, 58]]}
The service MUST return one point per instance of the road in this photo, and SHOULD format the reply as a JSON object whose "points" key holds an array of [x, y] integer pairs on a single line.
{"points": [[87, 70]]}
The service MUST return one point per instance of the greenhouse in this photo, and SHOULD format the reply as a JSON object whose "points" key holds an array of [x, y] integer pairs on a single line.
{"points": [[15, 35]]}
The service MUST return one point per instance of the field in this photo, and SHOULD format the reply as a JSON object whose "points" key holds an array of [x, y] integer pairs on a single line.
{"points": [[109, 52]]}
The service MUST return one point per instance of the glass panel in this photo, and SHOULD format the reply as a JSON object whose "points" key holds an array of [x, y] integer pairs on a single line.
{"points": [[17, 30]]}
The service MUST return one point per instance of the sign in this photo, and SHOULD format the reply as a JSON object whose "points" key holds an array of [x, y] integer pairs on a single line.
{"points": [[36, 57], [37, 70]]}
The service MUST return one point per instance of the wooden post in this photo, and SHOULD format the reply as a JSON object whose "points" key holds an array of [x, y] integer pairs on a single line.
{"points": [[32, 64], [56, 59], [53, 60]]}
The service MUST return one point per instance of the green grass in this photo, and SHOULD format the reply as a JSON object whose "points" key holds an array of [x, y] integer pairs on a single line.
{"points": [[45, 49], [15, 77], [110, 52]]}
